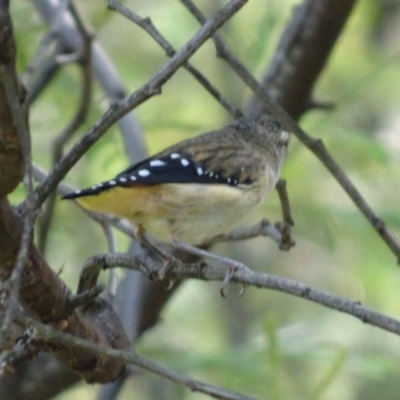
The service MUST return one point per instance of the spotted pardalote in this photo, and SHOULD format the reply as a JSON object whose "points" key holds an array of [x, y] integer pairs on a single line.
{"points": [[200, 187]]}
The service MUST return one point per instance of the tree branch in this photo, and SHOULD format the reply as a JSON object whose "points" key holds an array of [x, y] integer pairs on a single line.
{"points": [[148, 27], [207, 272], [53, 336]]}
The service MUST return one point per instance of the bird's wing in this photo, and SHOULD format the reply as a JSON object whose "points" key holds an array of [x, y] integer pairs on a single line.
{"points": [[206, 159]]}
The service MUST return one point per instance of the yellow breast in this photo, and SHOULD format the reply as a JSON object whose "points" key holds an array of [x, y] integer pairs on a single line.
{"points": [[193, 213]]}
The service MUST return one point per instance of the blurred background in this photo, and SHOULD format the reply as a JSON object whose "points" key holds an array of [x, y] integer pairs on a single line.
{"points": [[265, 344]]}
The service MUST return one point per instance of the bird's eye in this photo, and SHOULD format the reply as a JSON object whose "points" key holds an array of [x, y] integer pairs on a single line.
{"points": [[276, 124]]}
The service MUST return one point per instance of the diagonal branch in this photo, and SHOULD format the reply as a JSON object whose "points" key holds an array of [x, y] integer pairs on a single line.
{"points": [[148, 26], [150, 89], [316, 146]]}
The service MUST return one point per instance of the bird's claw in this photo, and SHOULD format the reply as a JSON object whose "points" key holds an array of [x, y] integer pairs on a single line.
{"points": [[230, 272], [160, 276]]}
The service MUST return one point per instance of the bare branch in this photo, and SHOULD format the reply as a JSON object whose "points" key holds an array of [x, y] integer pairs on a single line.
{"points": [[112, 248], [52, 336], [148, 26], [262, 228], [38, 60], [207, 272], [47, 72], [82, 299]]}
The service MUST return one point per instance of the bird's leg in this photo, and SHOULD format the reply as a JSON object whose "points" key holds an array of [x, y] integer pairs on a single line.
{"points": [[231, 265], [286, 242], [284, 200], [167, 259]]}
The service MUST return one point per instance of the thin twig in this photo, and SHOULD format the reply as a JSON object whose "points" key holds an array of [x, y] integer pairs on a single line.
{"points": [[82, 299], [149, 27], [72, 127], [205, 271], [112, 248], [148, 90], [47, 72], [262, 228], [316, 146], [47, 334], [38, 58], [48, 65]]}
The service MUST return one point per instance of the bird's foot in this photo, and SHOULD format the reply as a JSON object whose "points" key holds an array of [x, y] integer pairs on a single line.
{"points": [[168, 262], [286, 240], [231, 265]]}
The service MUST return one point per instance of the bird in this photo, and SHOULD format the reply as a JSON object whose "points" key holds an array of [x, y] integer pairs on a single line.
{"points": [[197, 189]]}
